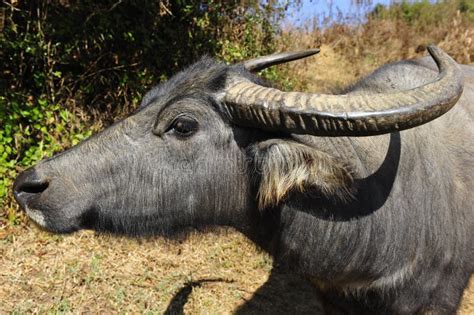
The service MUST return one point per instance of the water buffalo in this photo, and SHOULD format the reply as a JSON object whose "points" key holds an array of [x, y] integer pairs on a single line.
{"points": [[356, 191]]}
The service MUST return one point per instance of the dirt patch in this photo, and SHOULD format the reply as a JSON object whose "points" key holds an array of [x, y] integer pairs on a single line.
{"points": [[323, 73]]}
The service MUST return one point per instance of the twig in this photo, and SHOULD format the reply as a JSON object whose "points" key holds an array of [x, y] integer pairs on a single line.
{"points": [[109, 69], [97, 12], [11, 6]]}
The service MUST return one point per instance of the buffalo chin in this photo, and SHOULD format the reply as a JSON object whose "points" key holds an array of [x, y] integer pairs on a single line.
{"points": [[45, 220]]}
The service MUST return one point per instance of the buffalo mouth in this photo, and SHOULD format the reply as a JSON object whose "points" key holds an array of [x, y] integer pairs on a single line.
{"points": [[52, 220], [40, 202], [46, 202]]}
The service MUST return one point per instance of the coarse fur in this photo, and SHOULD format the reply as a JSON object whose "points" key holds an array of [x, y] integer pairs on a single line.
{"points": [[382, 224], [288, 166]]}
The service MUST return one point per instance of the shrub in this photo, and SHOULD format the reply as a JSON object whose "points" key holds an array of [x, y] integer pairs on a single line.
{"points": [[71, 67]]}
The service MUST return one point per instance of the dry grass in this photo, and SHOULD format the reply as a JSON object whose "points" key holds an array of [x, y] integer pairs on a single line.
{"points": [[350, 52], [214, 273], [84, 272]]}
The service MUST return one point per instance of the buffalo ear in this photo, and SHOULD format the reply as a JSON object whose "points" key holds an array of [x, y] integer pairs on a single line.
{"points": [[287, 166]]}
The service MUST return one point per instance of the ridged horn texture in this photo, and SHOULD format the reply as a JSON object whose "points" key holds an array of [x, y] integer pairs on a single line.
{"points": [[253, 105], [261, 63]]}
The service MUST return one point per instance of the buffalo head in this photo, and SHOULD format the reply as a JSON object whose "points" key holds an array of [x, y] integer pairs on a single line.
{"points": [[211, 147]]}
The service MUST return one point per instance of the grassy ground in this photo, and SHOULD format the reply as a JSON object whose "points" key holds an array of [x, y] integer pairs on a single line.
{"points": [[214, 273]]}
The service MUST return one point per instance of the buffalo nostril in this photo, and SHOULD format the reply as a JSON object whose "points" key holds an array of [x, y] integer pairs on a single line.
{"points": [[29, 184], [33, 188]]}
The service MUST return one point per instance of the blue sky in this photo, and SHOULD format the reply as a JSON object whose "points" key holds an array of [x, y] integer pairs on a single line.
{"points": [[323, 8]]}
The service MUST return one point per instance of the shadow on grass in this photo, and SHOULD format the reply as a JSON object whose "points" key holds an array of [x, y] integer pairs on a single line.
{"points": [[178, 301], [283, 293]]}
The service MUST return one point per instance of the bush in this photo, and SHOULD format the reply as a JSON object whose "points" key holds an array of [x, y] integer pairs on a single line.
{"points": [[424, 13], [71, 67]]}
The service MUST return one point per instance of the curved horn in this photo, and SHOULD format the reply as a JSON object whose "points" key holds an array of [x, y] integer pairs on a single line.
{"points": [[261, 63], [256, 106]]}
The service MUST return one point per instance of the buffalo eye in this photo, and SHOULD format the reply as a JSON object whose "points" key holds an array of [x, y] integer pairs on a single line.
{"points": [[183, 126]]}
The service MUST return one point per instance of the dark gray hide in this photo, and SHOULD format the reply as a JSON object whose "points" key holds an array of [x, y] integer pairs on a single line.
{"points": [[382, 223]]}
